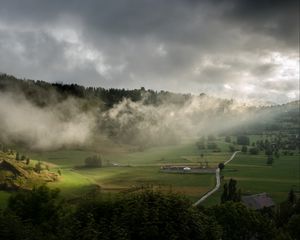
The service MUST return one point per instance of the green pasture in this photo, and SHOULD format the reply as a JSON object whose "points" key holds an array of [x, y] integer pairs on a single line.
{"points": [[156, 155], [253, 176], [62, 158], [122, 178], [174, 154], [72, 184], [141, 168]]}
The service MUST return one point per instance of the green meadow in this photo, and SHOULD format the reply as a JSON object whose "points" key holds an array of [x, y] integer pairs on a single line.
{"points": [[133, 171], [129, 170], [253, 175]]}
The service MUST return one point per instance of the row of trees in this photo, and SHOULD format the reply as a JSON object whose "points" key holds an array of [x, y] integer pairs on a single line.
{"points": [[230, 192], [42, 93], [42, 214], [208, 143], [271, 146], [22, 157], [17, 155], [93, 161]]}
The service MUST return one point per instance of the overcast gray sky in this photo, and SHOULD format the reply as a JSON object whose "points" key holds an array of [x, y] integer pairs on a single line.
{"points": [[247, 49]]}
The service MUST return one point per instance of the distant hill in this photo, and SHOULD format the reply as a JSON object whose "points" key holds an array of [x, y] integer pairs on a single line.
{"points": [[43, 93], [46, 115]]}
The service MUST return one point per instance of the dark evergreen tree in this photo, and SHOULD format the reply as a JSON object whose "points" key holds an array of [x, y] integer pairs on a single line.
{"points": [[224, 196], [254, 150], [270, 160], [244, 149], [221, 166], [243, 140], [38, 167], [93, 161], [232, 191], [292, 198]]}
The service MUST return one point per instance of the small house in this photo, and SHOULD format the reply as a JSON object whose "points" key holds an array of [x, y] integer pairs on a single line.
{"points": [[258, 201]]}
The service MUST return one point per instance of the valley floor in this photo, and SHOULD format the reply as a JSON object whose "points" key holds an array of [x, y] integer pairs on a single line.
{"points": [[130, 171]]}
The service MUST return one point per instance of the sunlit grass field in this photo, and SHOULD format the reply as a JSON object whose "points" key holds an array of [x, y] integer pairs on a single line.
{"points": [[122, 178], [142, 168], [134, 170]]}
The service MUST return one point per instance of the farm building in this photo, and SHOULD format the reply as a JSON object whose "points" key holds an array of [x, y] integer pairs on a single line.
{"points": [[186, 169], [258, 201]]}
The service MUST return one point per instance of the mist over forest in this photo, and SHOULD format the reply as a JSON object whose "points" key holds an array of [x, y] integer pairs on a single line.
{"points": [[42, 115]]}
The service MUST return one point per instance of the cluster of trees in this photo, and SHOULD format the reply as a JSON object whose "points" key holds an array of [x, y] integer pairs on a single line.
{"points": [[276, 145], [283, 142], [22, 157], [240, 140], [38, 167], [273, 147], [17, 155], [243, 140], [6, 149], [230, 192], [207, 143], [43, 214], [93, 161]]}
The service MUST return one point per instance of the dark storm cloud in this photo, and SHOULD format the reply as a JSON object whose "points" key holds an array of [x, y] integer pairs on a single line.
{"points": [[138, 18], [175, 45], [278, 18]]}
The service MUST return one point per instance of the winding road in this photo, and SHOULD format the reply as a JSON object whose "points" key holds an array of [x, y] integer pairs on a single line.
{"points": [[218, 182]]}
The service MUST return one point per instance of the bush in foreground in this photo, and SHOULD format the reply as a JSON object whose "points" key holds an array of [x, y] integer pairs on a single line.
{"points": [[41, 214]]}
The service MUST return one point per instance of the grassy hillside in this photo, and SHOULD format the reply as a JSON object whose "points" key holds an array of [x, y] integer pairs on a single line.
{"points": [[18, 174]]}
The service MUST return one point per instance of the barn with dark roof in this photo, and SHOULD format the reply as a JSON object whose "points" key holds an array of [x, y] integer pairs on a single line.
{"points": [[258, 201]]}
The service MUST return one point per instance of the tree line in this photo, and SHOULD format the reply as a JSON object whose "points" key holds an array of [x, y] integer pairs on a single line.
{"points": [[43, 214], [42, 93]]}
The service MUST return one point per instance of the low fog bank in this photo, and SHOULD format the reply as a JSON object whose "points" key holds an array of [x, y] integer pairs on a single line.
{"points": [[171, 123], [78, 122], [50, 127]]}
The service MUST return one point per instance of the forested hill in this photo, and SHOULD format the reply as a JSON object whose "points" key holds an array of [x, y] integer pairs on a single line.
{"points": [[72, 115], [41, 92]]}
